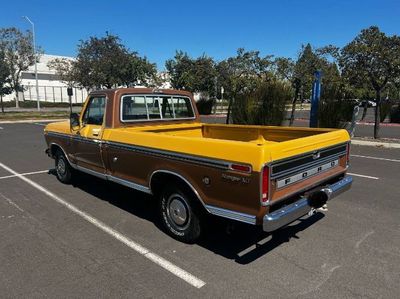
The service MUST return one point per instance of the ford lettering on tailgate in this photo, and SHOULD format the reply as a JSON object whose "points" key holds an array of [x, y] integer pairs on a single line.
{"points": [[306, 174]]}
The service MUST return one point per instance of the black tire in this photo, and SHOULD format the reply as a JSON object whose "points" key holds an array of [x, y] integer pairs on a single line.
{"points": [[62, 167], [180, 213]]}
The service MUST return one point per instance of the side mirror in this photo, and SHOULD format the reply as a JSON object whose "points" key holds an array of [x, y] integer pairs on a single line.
{"points": [[74, 120]]}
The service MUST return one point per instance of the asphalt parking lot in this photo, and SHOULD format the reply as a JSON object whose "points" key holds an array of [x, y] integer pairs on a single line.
{"points": [[48, 249]]}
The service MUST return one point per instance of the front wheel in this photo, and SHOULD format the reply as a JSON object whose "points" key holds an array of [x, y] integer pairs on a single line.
{"points": [[63, 169], [180, 214]]}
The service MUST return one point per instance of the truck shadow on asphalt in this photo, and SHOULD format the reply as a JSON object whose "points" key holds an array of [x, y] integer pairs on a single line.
{"points": [[246, 243], [237, 241]]}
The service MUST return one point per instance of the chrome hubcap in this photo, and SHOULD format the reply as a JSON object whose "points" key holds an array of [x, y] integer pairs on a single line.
{"points": [[178, 211], [61, 167]]}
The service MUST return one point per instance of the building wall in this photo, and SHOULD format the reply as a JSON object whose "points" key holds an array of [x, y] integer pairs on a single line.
{"points": [[51, 89]]}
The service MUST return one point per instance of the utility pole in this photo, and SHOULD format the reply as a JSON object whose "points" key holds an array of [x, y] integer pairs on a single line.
{"points": [[70, 94], [34, 54]]}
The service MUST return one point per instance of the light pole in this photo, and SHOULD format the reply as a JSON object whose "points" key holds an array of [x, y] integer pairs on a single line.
{"points": [[34, 54]]}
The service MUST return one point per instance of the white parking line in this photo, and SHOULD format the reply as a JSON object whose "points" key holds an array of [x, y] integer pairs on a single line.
{"points": [[11, 202], [39, 124], [177, 271], [1, 128], [26, 173], [364, 176], [376, 158]]}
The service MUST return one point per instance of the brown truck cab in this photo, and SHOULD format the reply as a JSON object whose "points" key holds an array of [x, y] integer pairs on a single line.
{"points": [[153, 141]]}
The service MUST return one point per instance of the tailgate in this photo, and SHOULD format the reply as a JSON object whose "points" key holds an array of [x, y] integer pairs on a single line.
{"points": [[301, 164]]}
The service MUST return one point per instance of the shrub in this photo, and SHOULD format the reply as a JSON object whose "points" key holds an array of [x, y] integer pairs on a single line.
{"points": [[385, 109], [333, 111], [263, 106], [205, 106], [395, 114]]}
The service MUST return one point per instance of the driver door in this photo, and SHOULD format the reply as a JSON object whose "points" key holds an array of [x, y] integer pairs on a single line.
{"points": [[87, 141]]}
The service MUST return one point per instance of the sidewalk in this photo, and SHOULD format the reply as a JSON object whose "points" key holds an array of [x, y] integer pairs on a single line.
{"points": [[382, 142], [29, 121], [363, 123], [44, 109]]}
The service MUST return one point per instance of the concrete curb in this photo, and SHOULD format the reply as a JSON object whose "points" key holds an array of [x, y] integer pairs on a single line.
{"points": [[361, 123], [382, 124], [213, 115], [29, 121], [375, 143]]}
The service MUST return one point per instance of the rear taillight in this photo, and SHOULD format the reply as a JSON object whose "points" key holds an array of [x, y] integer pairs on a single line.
{"points": [[265, 185], [348, 154], [240, 167]]}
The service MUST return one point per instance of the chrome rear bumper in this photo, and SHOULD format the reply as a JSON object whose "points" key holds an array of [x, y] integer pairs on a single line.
{"points": [[303, 206]]}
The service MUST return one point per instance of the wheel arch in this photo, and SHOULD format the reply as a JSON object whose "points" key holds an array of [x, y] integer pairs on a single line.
{"points": [[159, 177], [54, 147]]}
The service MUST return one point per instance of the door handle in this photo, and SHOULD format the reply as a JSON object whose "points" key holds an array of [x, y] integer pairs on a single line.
{"points": [[95, 132]]}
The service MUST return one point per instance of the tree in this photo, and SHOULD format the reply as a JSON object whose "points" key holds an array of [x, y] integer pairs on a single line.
{"points": [[180, 70], [139, 70], [285, 70], [64, 69], [205, 76], [195, 75], [374, 57], [243, 73], [5, 80], [100, 62], [350, 90], [300, 73], [19, 54], [106, 62]]}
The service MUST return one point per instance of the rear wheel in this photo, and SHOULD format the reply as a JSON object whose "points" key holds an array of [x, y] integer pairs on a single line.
{"points": [[180, 214], [63, 169]]}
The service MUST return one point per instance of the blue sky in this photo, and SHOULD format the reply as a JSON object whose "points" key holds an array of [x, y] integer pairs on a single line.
{"points": [[158, 28]]}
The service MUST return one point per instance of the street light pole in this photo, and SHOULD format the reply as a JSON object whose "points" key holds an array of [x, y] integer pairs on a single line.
{"points": [[34, 54]]}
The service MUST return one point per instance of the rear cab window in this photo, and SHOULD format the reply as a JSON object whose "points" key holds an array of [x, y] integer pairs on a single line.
{"points": [[155, 107]]}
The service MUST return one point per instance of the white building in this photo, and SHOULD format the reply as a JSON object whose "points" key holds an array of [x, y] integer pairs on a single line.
{"points": [[51, 89]]}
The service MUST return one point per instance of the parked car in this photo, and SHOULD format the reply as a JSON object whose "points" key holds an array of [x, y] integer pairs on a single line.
{"points": [[356, 102], [153, 141], [369, 103]]}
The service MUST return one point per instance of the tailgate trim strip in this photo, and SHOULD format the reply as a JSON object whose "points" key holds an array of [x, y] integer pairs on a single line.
{"points": [[336, 150]]}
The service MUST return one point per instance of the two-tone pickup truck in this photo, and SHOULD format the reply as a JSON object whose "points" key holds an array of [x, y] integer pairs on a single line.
{"points": [[153, 141]]}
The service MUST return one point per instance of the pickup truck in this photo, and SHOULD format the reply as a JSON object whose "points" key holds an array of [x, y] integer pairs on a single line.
{"points": [[153, 141]]}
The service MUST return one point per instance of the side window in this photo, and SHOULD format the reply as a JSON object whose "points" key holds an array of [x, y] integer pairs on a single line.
{"points": [[182, 107], [94, 112]]}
